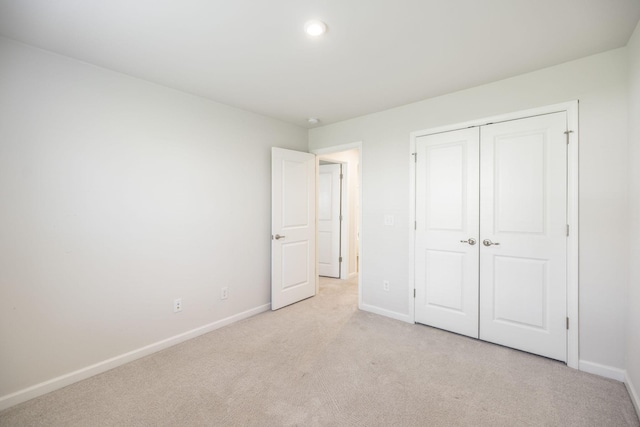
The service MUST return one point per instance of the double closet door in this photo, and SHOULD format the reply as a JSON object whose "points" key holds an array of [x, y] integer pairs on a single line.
{"points": [[491, 233]]}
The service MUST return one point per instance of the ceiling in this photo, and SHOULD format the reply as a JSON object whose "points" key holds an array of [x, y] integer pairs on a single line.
{"points": [[377, 54]]}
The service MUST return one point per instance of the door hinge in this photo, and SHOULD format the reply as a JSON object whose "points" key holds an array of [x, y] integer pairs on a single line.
{"points": [[415, 225], [567, 323], [567, 230], [415, 157], [341, 176], [414, 292], [340, 259], [340, 217], [568, 133]]}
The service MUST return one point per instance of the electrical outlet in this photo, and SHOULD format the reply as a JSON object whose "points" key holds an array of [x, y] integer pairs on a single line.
{"points": [[177, 305], [224, 293], [385, 285]]}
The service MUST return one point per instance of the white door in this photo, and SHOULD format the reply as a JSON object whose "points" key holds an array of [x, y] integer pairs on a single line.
{"points": [[447, 231], [510, 287], [523, 231], [293, 226], [329, 197]]}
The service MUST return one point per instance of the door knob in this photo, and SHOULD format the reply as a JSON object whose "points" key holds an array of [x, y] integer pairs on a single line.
{"points": [[471, 241], [488, 242], [278, 237]]}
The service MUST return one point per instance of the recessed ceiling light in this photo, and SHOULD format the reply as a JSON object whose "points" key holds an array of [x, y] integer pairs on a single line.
{"points": [[313, 121], [315, 28]]}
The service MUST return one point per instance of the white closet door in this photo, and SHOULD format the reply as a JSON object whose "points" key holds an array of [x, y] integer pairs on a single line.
{"points": [[523, 234], [329, 195], [446, 221]]}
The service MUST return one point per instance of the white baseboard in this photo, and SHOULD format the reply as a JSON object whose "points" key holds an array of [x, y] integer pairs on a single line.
{"points": [[633, 393], [603, 370], [387, 313], [100, 367]]}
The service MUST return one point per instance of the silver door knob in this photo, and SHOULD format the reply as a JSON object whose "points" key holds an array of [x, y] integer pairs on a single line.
{"points": [[471, 241], [278, 237], [488, 242]]}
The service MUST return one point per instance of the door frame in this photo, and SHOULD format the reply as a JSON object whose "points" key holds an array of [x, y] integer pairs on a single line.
{"points": [[572, 110], [335, 149]]}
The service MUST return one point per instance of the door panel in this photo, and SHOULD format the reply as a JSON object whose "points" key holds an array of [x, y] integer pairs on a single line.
{"points": [[446, 214], [445, 274], [524, 305], [446, 173], [295, 192], [329, 196], [293, 227], [519, 173], [523, 212], [295, 268]]}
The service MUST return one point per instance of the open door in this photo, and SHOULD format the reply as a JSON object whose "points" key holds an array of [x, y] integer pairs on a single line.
{"points": [[329, 219], [293, 227]]}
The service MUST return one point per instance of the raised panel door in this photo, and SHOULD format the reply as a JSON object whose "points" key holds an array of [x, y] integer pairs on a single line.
{"points": [[523, 234], [329, 195], [293, 226], [446, 221]]}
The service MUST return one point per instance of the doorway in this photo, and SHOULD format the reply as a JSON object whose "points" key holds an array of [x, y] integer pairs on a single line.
{"points": [[348, 156]]}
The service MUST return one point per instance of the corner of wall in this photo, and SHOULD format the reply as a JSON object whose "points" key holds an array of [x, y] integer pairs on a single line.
{"points": [[633, 393], [602, 370], [632, 379]]}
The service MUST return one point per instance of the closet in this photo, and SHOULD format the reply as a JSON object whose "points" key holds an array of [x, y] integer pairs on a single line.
{"points": [[491, 233]]}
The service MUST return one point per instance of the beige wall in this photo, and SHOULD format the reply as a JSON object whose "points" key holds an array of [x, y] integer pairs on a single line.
{"points": [[600, 83], [118, 196]]}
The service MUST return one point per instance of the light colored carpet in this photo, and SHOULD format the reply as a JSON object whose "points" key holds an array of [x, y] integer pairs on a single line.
{"points": [[322, 362]]}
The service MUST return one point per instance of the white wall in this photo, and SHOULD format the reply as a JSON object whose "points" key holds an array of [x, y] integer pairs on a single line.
{"points": [[633, 327], [351, 158], [600, 83], [117, 196]]}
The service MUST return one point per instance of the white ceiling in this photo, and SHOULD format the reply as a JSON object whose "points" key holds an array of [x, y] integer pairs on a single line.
{"points": [[377, 54]]}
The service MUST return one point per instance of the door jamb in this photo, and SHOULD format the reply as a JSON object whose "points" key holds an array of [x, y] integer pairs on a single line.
{"points": [[572, 110], [335, 149]]}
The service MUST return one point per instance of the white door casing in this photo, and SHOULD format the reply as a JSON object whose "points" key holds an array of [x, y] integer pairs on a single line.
{"points": [[329, 213], [446, 236], [293, 226], [523, 212]]}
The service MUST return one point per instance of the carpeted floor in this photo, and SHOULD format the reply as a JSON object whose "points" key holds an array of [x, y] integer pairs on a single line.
{"points": [[322, 362]]}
